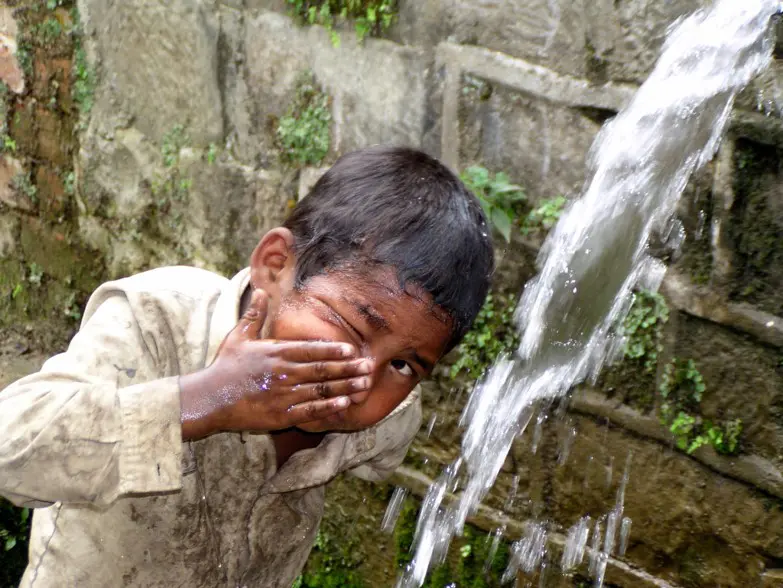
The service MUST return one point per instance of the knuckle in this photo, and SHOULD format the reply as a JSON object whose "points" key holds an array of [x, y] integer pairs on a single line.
{"points": [[321, 389]]}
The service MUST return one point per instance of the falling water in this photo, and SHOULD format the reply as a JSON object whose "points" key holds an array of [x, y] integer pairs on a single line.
{"points": [[639, 165]]}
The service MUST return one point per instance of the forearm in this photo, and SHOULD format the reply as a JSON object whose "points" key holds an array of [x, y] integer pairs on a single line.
{"points": [[199, 407]]}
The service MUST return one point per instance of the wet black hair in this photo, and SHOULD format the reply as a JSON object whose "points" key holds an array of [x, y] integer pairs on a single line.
{"points": [[399, 207]]}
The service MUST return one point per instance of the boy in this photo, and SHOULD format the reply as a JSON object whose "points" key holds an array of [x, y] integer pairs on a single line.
{"points": [[186, 436]]}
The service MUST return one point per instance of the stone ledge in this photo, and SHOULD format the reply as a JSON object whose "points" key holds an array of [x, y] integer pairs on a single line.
{"points": [[534, 79], [757, 127], [488, 519], [705, 304], [750, 469]]}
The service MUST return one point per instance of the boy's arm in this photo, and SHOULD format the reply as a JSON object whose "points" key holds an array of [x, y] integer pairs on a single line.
{"points": [[72, 433]]}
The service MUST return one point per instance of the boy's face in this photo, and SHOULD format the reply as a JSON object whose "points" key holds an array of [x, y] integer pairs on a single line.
{"points": [[400, 330]]}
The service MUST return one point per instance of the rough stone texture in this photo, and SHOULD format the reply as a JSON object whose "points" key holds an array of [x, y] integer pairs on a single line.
{"points": [[10, 72], [599, 40], [172, 78], [10, 169], [544, 143], [378, 89]]}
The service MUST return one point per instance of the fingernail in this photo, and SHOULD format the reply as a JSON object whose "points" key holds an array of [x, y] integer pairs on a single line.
{"points": [[365, 366], [362, 383], [347, 350], [342, 402]]}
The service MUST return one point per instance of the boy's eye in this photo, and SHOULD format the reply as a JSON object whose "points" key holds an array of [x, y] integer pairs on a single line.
{"points": [[402, 366]]}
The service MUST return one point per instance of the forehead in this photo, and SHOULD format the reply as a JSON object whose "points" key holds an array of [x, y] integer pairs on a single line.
{"points": [[409, 311]]}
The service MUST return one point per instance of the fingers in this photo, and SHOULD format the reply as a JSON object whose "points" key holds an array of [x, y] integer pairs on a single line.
{"points": [[249, 326], [319, 409], [325, 371], [333, 389], [309, 351]]}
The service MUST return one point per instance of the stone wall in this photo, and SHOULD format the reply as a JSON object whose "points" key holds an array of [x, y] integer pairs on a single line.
{"points": [[521, 86]]}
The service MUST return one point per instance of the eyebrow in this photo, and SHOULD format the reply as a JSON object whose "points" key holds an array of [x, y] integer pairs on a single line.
{"points": [[427, 365], [374, 318], [378, 323]]}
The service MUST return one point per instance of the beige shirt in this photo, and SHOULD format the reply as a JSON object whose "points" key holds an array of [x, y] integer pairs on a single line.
{"points": [[94, 441]]}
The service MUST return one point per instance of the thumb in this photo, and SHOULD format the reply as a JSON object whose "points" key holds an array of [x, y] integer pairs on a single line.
{"points": [[249, 326]]}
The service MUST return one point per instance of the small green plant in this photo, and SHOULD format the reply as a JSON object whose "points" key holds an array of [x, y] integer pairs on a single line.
{"points": [[682, 388], [14, 534], [493, 333], [83, 81], [23, 184], [69, 183], [18, 289], [171, 185], [71, 308], [212, 153], [336, 566], [35, 274], [500, 199], [47, 32], [642, 328], [370, 17], [7, 143], [545, 216], [303, 133]]}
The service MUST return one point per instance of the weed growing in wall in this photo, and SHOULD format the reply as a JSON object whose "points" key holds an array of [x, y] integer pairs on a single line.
{"points": [[23, 184], [493, 332], [370, 17], [500, 199], [642, 329], [303, 133], [335, 565], [544, 216], [682, 388]]}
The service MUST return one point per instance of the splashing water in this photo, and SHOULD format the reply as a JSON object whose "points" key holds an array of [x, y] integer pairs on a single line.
{"points": [[640, 164]]}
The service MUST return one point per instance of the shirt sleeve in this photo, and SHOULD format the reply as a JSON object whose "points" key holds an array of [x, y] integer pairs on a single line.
{"points": [[81, 430]]}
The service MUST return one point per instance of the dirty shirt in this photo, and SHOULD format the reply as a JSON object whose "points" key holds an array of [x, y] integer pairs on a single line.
{"points": [[93, 441]]}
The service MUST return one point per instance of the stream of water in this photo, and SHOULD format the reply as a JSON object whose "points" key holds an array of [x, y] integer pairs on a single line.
{"points": [[592, 260]]}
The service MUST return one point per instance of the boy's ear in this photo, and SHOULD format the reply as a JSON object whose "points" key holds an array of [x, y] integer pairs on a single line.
{"points": [[273, 262]]}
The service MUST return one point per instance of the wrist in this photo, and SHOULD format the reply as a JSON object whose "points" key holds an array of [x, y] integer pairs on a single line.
{"points": [[200, 413]]}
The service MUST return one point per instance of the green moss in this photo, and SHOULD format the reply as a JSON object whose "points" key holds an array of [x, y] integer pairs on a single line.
{"points": [[304, 134], [493, 332], [474, 559], [370, 17]]}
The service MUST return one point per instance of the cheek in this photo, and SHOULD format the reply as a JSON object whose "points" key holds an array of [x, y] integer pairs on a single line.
{"points": [[384, 397]]}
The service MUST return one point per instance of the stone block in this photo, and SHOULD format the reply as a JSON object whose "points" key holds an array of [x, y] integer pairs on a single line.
{"points": [[754, 224], [378, 89], [725, 358], [172, 77], [546, 32], [9, 232], [623, 40], [10, 71], [542, 145], [10, 169]]}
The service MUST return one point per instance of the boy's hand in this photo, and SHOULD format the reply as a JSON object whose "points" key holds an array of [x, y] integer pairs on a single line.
{"points": [[265, 385]]}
